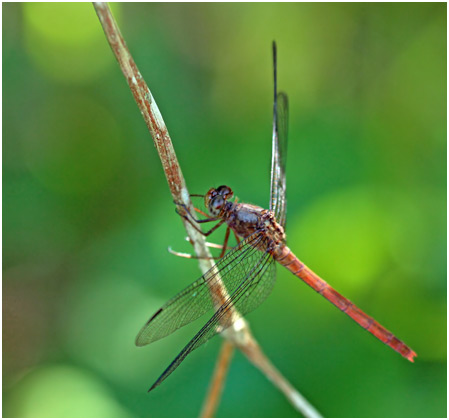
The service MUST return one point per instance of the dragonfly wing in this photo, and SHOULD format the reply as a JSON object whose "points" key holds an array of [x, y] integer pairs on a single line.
{"points": [[196, 299], [278, 202], [253, 289], [280, 150]]}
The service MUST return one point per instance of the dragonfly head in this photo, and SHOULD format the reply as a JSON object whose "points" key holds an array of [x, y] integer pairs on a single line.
{"points": [[215, 200]]}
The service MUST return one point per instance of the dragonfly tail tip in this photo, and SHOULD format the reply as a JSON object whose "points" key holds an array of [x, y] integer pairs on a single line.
{"points": [[411, 356]]}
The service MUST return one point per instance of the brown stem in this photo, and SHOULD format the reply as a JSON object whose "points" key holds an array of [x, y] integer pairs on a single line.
{"points": [[216, 387], [239, 333], [254, 353]]}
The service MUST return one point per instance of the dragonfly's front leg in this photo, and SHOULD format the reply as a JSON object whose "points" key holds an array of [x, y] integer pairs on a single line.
{"points": [[189, 218]]}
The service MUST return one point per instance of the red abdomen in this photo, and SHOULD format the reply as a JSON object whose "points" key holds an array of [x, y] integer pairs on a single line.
{"points": [[285, 257]]}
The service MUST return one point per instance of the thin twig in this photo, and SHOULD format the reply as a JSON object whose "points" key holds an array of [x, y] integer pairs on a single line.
{"points": [[216, 387], [238, 333], [155, 123], [254, 353]]}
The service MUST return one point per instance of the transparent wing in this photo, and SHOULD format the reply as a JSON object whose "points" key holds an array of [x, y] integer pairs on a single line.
{"points": [[196, 299], [278, 202], [249, 294], [278, 181]]}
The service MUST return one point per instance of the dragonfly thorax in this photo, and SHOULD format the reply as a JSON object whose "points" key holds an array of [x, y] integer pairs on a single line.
{"points": [[272, 228]]}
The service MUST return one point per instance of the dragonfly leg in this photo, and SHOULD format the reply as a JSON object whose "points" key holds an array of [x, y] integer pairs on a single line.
{"points": [[189, 218], [201, 212], [215, 227], [225, 242], [185, 255], [211, 219], [209, 231], [210, 244], [189, 215], [223, 248]]}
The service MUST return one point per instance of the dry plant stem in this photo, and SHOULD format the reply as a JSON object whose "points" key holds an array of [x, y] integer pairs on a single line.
{"points": [[218, 379], [154, 122], [238, 333], [255, 355]]}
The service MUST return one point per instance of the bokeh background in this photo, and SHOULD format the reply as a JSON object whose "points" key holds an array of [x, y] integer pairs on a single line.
{"points": [[87, 215]]}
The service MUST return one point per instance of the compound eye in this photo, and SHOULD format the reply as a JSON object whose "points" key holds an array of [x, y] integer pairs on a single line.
{"points": [[217, 204], [224, 191]]}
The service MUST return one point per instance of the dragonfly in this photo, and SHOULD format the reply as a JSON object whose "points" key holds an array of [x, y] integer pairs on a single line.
{"points": [[248, 271]]}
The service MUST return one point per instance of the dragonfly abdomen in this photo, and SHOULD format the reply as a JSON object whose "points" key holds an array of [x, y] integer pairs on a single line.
{"points": [[286, 258]]}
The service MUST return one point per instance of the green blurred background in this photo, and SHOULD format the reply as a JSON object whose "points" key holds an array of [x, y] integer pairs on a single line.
{"points": [[87, 215]]}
